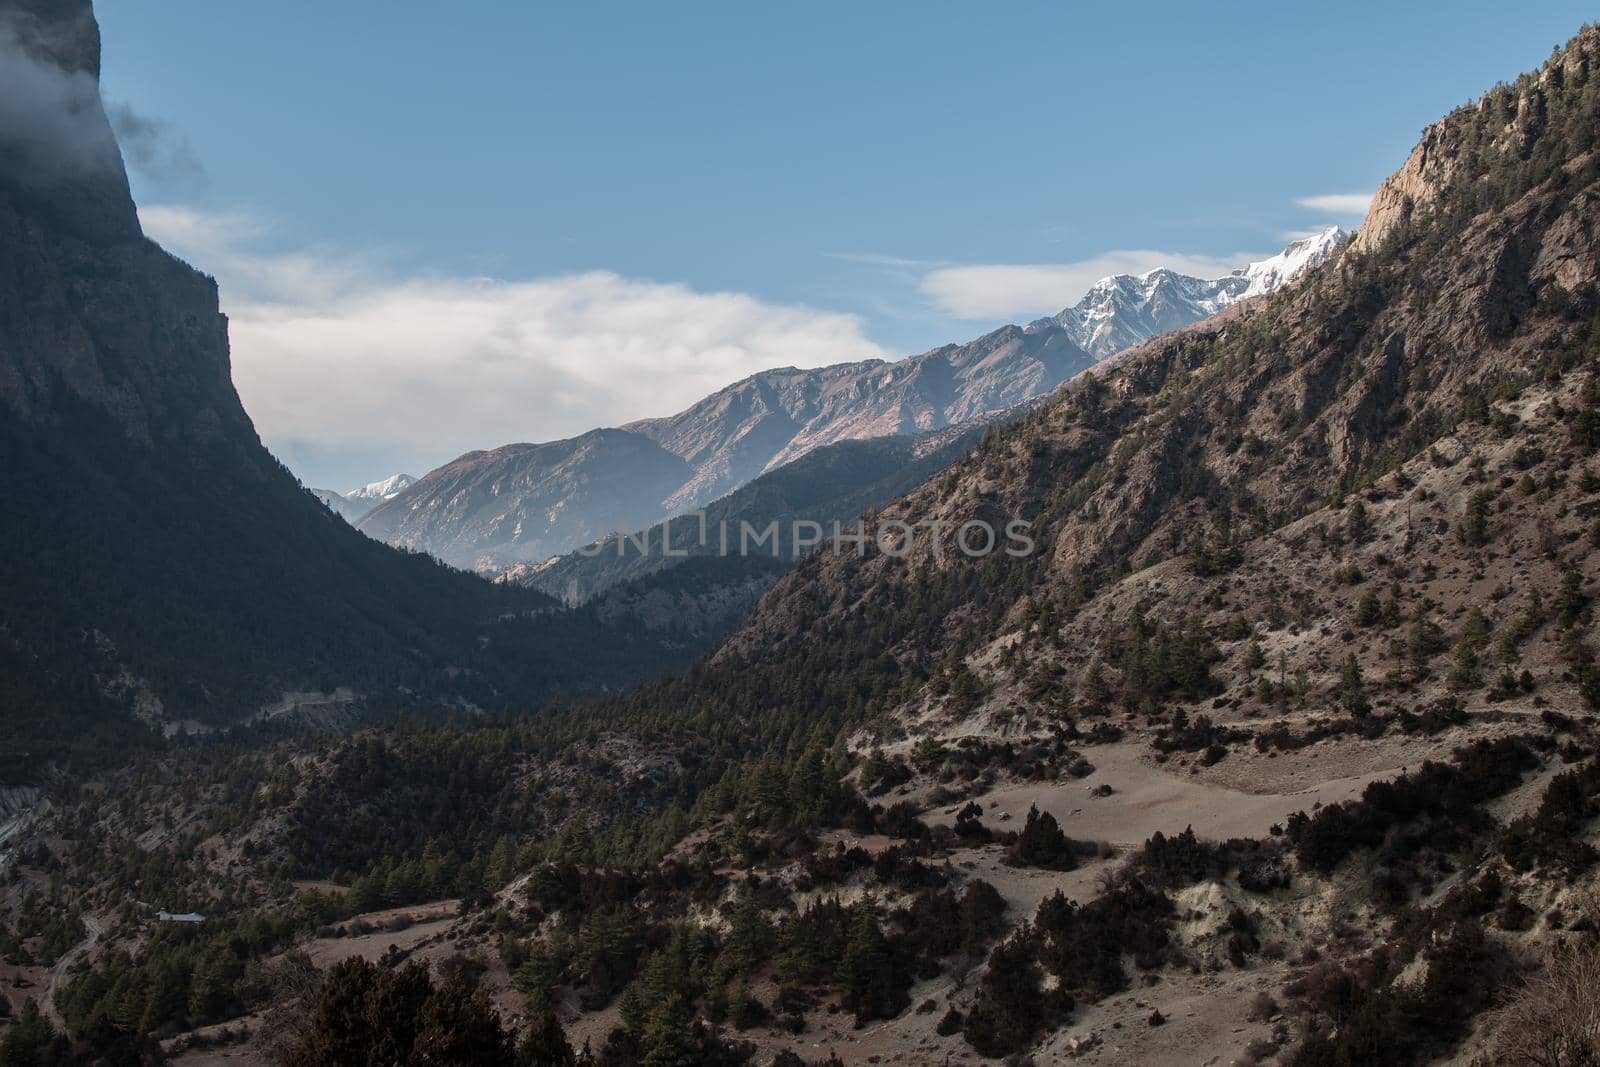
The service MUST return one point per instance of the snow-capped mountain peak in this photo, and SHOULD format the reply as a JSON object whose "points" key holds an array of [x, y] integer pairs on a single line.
{"points": [[384, 489], [1122, 310]]}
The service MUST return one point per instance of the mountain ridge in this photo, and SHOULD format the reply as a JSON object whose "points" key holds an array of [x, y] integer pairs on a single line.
{"points": [[354, 505]]}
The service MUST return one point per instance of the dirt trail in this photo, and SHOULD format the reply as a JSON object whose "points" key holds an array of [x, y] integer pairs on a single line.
{"points": [[59, 972]]}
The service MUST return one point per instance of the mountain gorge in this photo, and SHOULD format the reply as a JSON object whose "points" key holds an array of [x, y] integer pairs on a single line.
{"points": [[1282, 745]]}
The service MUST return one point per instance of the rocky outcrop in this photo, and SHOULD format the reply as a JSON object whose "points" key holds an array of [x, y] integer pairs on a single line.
{"points": [[1504, 124], [1413, 187]]}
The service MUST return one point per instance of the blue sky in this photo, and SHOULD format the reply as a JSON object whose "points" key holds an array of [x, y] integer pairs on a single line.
{"points": [[444, 227]]}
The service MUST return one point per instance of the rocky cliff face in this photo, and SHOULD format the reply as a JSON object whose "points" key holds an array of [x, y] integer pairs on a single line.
{"points": [[1411, 188], [59, 156], [155, 358], [1506, 125]]}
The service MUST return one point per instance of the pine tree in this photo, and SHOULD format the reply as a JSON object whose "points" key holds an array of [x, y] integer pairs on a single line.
{"points": [[1011, 1008], [1095, 690], [1465, 673], [545, 1044], [667, 1037], [30, 1040], [215, 983], [750, 935], [1571, 600], [460, 1028], [502, 864], [1368, 610], [1358, 525], [1352, 688], [1474, 529], [1476, 631], [368, 1014], [867, 970], [538, 976]]}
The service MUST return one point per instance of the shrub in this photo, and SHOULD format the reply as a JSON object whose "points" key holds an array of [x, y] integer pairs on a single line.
{"points": [[1042, 844]]}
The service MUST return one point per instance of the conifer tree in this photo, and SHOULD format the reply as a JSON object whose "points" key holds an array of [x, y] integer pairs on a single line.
{"points": [[867, 970], [538, 976], [545, 1044], [1352, 688]]}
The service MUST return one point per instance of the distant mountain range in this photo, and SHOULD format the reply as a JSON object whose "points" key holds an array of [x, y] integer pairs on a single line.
{"points": [[491, 510], [834, 483], [525, 502]]}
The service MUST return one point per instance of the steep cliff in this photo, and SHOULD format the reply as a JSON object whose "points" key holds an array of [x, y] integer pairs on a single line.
{"points": [[158, 561]]}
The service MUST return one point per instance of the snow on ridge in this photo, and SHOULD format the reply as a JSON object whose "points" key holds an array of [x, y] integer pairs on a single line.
{"points": [[383, 489], [1274, 272], [1122, 310]]}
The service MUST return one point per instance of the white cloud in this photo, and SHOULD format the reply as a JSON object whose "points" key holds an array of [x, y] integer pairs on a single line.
{"points": [[1338, 203], [332, 350], [875, 260], [997, 290]]}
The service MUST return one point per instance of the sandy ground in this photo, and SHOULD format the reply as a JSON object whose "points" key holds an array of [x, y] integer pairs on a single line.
{"points": [[1151, 797]]}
